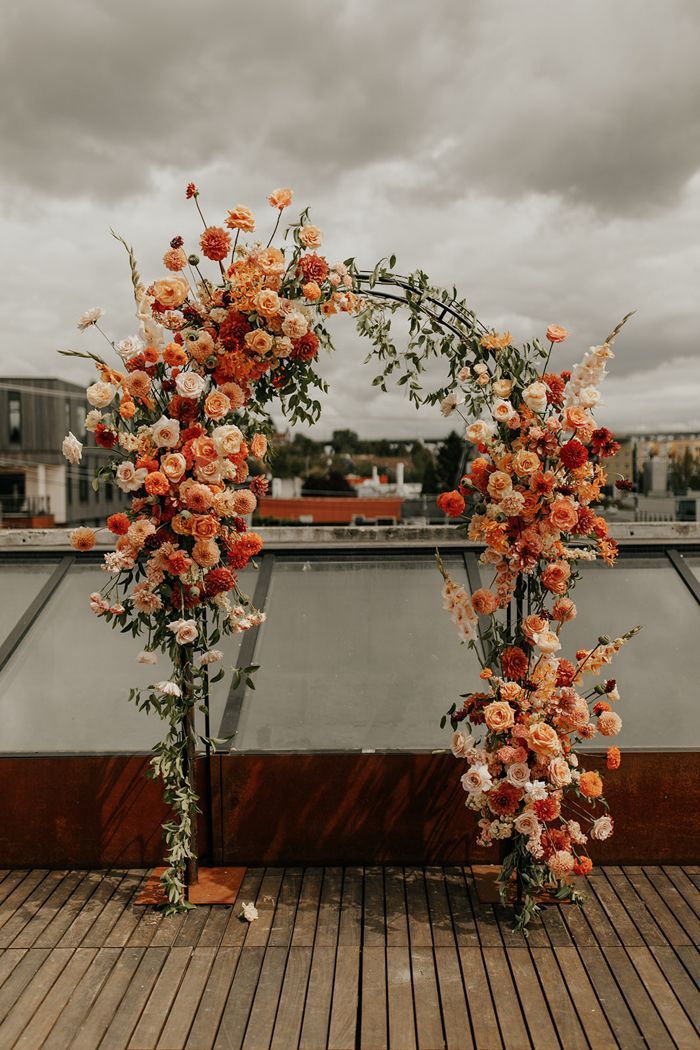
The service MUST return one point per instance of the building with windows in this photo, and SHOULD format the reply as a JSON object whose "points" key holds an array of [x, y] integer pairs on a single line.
{"points": [[37, 486]]}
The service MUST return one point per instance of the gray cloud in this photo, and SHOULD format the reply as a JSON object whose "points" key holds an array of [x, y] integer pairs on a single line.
{"points": [[543, 158]]}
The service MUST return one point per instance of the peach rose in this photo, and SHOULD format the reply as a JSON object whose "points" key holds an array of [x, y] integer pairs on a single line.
{"points": [[602, 828], [267, 302], [462, 743], [241, 218], [502, 411], [280, 198], [533, 624], [543, 740], [173, 466], [216, 405], [525, 463], [165, 433], [500, 484], [227, 439], [190, 384], [563, 609], [259, 341], [258, 446], [480, 432], [563, 514], [310, 236], [556, 334], [185, 631], [555, 577], [559, 772], [499, 716], [171, 292], [100, 394], [518, 774], [204, 450], [510, 691], [575, 417]]}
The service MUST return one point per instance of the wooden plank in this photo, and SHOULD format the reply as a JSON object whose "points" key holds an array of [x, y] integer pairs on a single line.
{"points": [[128, 917], [510, 1018], [36, 1030], [439, 908], [9, 958], [566, 1021], [664, 998], [419, 932], [63, 919], [108, 999], [583, 995], [663, 916], [685, 886], [97, 916], [290, 1012], [373, 914], [213, 999], [395, 908], [455, 1015], [342, 1033], [601, 926], [479, 998], [285, 913], [402, 1021], [237, 928], [135, 998], [185, 1006], [80, 1002], [555, 928], [579, 930], [673, 899], [426, 997], [9, 884], [261, 1022], [168, 930], [159, 1002], [329, 908], [617, 1012], [147, 925], [45, 913], [677, 976], [215, 926], [234, 1018], [532, 1000], [23, 970], [266, 902], [463, 921], [645, 1014], [33, 994], [636, 908], [21, 892], [28, 908], [626, 931], [690, 957], [317, 1010], [485, 918], [191, 929], [350, 930], [307, 908], [373, 1020]]}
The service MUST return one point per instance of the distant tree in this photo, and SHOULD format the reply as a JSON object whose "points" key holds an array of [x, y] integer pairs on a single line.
{"points": [[331, 484], [430, 484], [684, 472], [345, 441], [449, 460]]}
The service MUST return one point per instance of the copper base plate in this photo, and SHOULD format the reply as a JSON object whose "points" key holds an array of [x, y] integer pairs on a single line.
{"points": [[488, 889], [215, 886]]}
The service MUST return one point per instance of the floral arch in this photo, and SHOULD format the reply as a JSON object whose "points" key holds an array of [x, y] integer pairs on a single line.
{"points": [[184, 410]]}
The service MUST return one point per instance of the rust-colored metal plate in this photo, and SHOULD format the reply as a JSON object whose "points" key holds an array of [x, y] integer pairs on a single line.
{"points": [[215, 886]]}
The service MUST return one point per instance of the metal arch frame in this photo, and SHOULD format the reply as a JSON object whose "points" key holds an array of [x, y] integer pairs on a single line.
{"points": [[437, 311]]}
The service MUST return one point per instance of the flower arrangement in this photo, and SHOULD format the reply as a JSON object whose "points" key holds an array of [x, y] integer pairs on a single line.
{"points": [[182, 413], [528, 497]]}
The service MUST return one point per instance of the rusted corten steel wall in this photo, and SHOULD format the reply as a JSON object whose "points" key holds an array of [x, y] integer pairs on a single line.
{"points": [[290, 809]]}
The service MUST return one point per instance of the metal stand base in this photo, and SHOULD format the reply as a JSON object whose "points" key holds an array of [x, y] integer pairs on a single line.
{"points": [[214, 886]]}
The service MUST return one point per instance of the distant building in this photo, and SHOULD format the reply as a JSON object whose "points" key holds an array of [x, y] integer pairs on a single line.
{"points": [[38, 488]]}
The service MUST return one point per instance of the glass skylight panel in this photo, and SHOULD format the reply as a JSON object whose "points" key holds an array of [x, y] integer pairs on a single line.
{"points": [[20, 583]]}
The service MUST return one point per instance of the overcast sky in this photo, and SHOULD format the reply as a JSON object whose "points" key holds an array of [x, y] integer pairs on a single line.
{"points": [[544, 157]]}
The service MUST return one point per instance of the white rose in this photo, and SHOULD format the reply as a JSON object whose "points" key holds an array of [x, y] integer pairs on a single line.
{"points": [[92, 419], [165, 433], [128, 478], [250, 912], [527, 823], [602, 828], [227, 439], [129, 347], [100, 394], [71, 448], [461, 744], [480, 432], [502, 410], [477, 778], [535, 397], [546, 641], [559, 772], [185, 631], [518, 774], [190, 384], [589, 397]]}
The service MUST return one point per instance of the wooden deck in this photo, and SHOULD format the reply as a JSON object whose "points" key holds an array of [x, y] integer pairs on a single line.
{"points": [[375, 958]]}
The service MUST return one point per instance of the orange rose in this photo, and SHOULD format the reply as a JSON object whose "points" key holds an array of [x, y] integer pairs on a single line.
{"points": [[204, 450], [575, 417], [499, 716], [555, 577], [241, 218], [267, 302], [217, 405], [156, 483], [258, 446], [281, 198], [310, 236], [556, 334], [543, 740], [510, 691], [533, 624], [526, 463], [204, 527], [563, 515], [259, 341], [171, 292], [500, 484]]}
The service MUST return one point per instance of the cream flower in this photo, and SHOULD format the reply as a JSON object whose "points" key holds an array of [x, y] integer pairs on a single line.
{"points": [[449, 404], [477, 778], [502, 410], [559, 773], [480, 432], [250, 912], [535, 397], [190, 384], [128, 478], [527, 823], [100, 394], [546, 641], [185, 631], [93, 417], [168, 688], [129, 347], [147, 657], [212, 656], [165, 433], [518, 774], [72, 449], [602, 828], [90, 317], [461, 743], [227, 439]]}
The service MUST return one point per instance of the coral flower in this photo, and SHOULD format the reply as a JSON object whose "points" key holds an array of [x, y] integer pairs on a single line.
{"points": [[514, 663], [582, 866], [156, 483], [215, 243], [83, 538], [280, 198], [118, 524], [613, 758], [556, 334], [451, 503], [241, 218], [590, 784]]}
